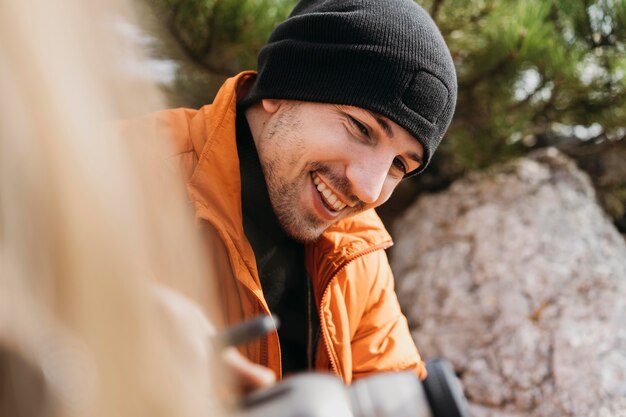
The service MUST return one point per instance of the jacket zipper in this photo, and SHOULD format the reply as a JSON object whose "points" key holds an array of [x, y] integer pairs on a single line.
{"points": [[329, 350], [265, 341], [264, 355], [310, 353]]}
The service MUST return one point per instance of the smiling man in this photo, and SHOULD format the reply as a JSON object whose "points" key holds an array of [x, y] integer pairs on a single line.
{"points": [[287, 165]]}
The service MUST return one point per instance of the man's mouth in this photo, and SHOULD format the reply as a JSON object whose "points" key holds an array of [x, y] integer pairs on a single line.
{"points": [[328, 197]]}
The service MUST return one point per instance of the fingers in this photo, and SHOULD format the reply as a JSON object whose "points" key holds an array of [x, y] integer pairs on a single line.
{"points": [[249, 376], [196, 339]]}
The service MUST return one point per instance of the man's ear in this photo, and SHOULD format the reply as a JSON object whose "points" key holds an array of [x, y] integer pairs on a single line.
{"points": [[271, 105]]}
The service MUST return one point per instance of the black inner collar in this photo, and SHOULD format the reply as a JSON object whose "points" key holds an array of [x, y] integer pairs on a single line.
{"points": [[279, 258]]}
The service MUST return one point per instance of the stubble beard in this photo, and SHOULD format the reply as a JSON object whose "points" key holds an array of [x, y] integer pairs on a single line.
{"points": [[284, 193], [296, 222]]}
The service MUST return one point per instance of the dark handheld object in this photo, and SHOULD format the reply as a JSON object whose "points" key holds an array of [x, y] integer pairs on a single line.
{"points": [[397, 394], [444, 391], [247, 331]]}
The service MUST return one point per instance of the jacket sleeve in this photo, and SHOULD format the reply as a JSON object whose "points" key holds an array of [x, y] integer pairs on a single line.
{"points": [[381, 340]]}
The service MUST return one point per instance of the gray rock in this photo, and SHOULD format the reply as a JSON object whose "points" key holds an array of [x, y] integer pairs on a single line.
{"points": [[519, 278]]}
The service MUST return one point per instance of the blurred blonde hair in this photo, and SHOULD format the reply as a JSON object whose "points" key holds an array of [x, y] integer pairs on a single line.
{"points": [[87, 221]]}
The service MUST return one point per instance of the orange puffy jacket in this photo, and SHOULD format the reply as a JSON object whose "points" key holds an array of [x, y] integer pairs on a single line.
{"points": [[362, 328]]}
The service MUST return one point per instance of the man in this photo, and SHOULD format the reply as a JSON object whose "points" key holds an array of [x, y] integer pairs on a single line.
{"points": [[287, 165]]}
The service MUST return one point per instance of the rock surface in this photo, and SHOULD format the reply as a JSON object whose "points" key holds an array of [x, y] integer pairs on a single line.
{"points": [[519, 278]]}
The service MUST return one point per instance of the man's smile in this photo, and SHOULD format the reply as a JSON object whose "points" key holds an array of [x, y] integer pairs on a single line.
{"points": [[330, 199]]}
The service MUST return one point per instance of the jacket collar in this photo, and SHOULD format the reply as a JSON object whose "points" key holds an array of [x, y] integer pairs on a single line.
{"points": [[215, 185]]}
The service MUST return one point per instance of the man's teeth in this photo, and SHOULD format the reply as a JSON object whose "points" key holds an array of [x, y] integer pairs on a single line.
{"points": [[330, 197]]}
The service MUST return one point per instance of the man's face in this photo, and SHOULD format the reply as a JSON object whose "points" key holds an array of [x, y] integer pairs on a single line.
{"points": [[325, 162]]}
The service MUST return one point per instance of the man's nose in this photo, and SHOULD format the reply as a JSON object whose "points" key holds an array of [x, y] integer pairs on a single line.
{"points": [[367, 178]]}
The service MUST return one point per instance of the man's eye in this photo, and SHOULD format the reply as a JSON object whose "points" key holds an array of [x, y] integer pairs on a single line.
{"points": [[397, 162], [362, 128]]}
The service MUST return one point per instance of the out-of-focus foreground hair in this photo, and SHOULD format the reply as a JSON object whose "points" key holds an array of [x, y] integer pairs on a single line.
{"points": [[88, 223]]}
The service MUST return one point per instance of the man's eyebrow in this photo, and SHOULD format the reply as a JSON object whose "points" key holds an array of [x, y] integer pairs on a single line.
{"points": [[416, 157], [382, 122], [385, 126]]}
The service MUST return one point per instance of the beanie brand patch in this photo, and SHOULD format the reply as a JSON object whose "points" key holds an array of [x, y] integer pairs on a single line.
{"points": [[427, 96]]}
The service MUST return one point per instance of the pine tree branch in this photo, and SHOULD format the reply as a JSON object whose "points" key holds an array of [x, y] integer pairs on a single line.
{"points": [[434, 10], [511, 56], [521, 103], [193, 55], [549, 104], [595, 39], [482, 13], [599, 144], [208, 45]]}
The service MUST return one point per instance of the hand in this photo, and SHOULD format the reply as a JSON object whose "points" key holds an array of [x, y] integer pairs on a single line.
{"points": [[193, 334]]}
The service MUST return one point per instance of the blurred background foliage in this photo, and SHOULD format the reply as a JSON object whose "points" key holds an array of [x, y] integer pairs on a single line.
{"points": [[532, 73]]}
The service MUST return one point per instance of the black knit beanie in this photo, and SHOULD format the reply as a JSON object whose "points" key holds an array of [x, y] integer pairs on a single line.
{"points": [[386, 56]]}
